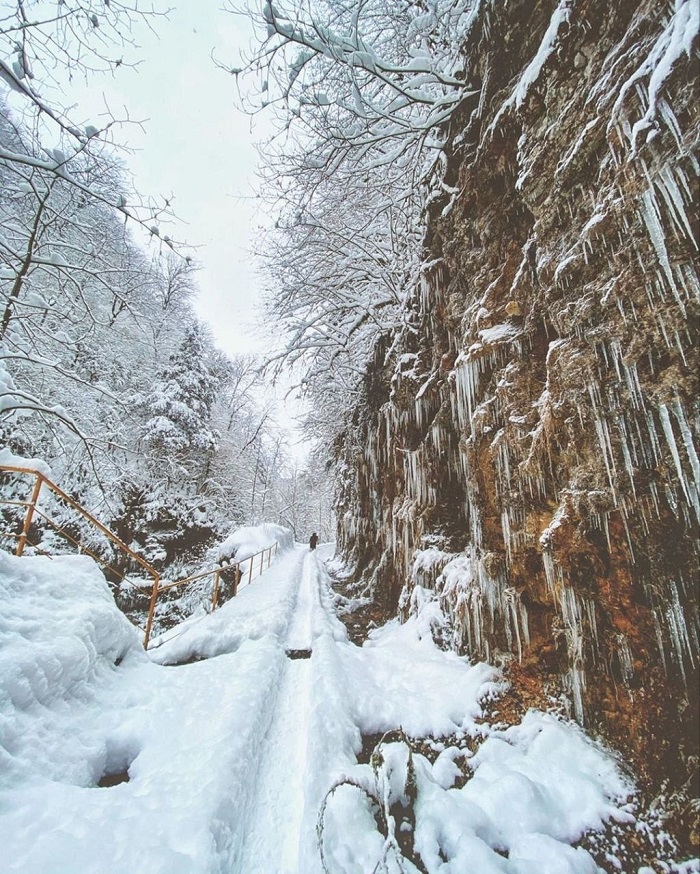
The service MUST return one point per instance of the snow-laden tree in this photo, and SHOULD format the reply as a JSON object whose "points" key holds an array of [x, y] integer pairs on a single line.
{"points": [[363, 91], [42, 47], [68, 268], [241, 416], [181, 400], [306, 498], [78, 299], [363, 77], [339, 269], [87, 323]]}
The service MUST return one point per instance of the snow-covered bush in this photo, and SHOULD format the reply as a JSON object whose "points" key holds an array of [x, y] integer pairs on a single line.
{"points": [[60, 629]]}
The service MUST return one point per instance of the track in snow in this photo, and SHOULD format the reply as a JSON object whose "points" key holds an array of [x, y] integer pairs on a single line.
{"points": [[276, 814]]}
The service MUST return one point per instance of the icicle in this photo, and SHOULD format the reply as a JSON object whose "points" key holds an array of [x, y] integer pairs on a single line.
{"points": [[678, 631], [680, 348], [671, 122], [654, 440], [606, 529], [624, 657], [575, 683], [654, 492], [589, 607], [524, 622], [687, 440], [675, 202], [629, 467], [601, 427], [516, 613], [505, 525], [691, 494], [660, 639], [552, 573], [690, 281], [630, 547], [650, 215]]}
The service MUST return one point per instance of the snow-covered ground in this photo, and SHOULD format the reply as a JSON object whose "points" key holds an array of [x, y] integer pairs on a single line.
{"points": [[230, 757]]}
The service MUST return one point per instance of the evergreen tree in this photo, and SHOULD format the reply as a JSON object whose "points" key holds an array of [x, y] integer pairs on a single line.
{"points": [[181, 401]]}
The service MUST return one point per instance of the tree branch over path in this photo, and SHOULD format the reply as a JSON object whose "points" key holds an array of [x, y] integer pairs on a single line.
{"points": [[362, 93]]}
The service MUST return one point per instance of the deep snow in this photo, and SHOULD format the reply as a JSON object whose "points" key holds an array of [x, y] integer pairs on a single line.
{"points": [[230, 757]]}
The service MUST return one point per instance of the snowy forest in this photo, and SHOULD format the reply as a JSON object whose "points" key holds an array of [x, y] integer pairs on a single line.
{"points": [[107, 374], [480, 282]]}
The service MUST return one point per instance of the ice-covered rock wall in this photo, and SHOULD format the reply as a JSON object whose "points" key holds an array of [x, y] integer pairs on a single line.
{"points": [[534, 426]]}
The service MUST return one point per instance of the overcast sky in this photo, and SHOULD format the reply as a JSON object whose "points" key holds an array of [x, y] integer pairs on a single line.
{"points": [[195, 146]]}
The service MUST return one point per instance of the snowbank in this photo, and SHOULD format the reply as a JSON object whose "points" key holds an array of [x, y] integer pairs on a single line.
{"points": [[246, 541], [401, 678], [61, 637], [7, 457], [532, 790], [535, 789], [59, 631], [79, 699]]}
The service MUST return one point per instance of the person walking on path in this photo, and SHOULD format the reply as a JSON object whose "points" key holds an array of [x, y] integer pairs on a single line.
{"points": [[313, 540]]}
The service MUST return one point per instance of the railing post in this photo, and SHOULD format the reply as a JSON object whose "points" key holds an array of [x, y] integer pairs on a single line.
{"points": [[236, 579], [250, 572], [215, 596], [30, 514], [151, 610], [262, 561]]}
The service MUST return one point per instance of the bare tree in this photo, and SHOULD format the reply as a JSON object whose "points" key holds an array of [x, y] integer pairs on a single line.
{"points": [[363, 91], [42, 48]]}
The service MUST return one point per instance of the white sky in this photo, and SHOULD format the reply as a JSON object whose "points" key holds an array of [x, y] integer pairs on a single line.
{"points": [[195, 146]]}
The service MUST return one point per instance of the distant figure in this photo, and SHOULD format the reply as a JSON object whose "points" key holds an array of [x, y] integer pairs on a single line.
{"points": [[313, 540]]}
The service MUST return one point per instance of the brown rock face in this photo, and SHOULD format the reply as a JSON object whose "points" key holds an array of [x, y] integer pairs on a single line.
{"points": [[537, 419]]}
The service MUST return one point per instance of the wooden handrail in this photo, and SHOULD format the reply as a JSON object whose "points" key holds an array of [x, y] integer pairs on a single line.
{"points": [[31, 505], [195, 577], [44, 480], [156, 588], [216, 572], [219, 569], [272, 549]]}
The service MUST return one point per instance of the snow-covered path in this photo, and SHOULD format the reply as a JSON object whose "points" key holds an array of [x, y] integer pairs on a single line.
{"points": [[274, 820], [230, 747], [299, 637]]}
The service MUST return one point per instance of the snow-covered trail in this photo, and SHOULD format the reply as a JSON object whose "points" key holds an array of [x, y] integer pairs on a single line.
{"points": [[272, 841], [299, 637], [230, 748]]}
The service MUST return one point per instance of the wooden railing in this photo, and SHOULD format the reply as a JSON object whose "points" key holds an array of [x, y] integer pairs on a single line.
{"points": [[244, 566], [234, 570]]}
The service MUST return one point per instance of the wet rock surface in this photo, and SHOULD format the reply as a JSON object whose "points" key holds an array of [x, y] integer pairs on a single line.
{"points": [[537, 417]]}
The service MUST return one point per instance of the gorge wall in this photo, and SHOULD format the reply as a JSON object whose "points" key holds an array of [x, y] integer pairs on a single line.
{"points": [[525, 446]]}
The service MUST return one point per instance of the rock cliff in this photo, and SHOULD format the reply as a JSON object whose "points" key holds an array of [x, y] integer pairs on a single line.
{"points": [[525, 446]]}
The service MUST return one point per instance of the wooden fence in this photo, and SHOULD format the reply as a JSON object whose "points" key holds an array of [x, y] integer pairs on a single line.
{"points": [[247, 567], [243, 566]]}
